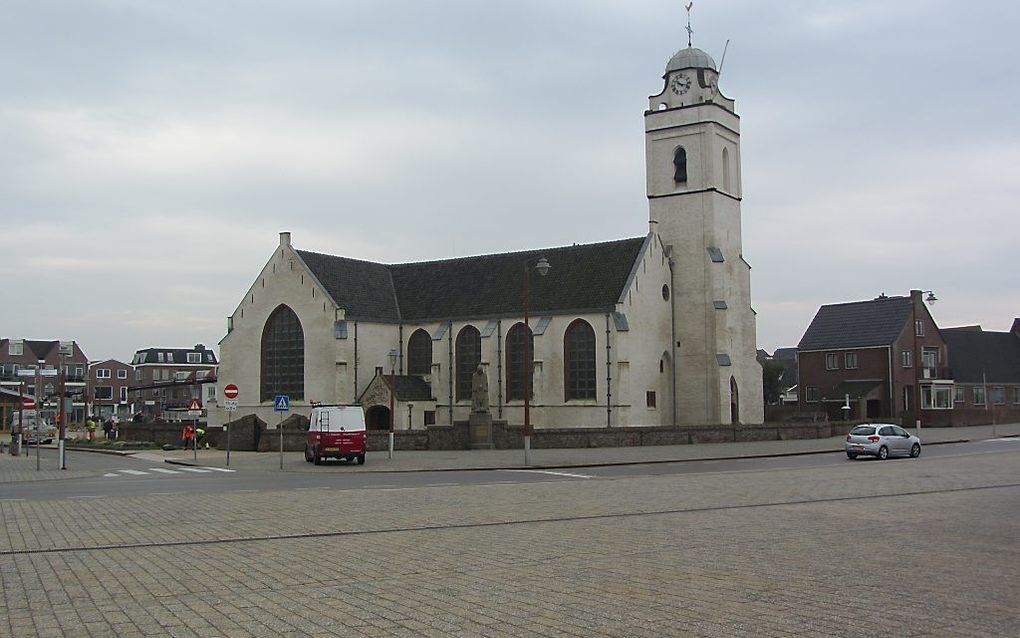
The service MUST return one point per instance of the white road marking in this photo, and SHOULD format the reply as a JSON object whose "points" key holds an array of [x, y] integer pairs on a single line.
{"points": [[91, 496], [195, 469], [110, 474], [134, 472], [164, 493], [220, 469], [163, 471], [1015, 440], [567, 474], [11, 500]]}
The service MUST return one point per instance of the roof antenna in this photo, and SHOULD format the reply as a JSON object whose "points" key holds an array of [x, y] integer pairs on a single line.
{"points": [[690, 31], [715, 85]]}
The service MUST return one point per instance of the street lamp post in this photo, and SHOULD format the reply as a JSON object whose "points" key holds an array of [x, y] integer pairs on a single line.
{"points": [[393, 390], [526, 368], [915, 298]]}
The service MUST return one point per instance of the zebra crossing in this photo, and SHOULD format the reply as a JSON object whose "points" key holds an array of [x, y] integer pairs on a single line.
{"points": [[156, 471]]}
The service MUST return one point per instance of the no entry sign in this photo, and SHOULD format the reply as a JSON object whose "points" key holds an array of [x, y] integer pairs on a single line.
{"points": [[28, 404], [230, 391]]}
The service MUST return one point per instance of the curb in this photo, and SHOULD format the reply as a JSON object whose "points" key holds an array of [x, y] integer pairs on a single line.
{"points": [[95, 451], [555, 466]]}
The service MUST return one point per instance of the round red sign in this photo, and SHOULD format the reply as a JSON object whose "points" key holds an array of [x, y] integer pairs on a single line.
{"points": [[28, 404], [230, 391]]}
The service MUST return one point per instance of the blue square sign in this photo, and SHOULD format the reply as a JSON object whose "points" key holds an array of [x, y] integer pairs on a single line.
{"points": [[281, 403]]}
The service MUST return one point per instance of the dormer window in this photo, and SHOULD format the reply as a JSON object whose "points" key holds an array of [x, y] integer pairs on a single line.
{"points": [[680, 166]]}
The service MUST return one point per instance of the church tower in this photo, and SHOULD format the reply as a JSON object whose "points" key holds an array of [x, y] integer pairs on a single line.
{"points": [[692, 155]]}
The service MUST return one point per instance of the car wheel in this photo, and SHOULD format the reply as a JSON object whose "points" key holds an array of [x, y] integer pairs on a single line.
{"points": [[316, 459], [361, 459], [915, 451], [851, 455], [308, 454], [883, 453]]}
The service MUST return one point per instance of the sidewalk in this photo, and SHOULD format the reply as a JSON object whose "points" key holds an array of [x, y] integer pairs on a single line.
{"points": [[23, 468], [450, 460]]}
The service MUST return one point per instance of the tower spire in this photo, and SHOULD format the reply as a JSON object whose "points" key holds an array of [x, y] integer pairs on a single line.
{"points": [[689, 29]]}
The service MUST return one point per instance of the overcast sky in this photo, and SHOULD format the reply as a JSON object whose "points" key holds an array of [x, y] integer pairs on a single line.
{"points": [[151, 151]]}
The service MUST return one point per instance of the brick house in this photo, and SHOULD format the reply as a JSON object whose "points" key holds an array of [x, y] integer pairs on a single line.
{"points": [[167, 379], [865, 354], [24, 354], [986, 369], [108, 389]]}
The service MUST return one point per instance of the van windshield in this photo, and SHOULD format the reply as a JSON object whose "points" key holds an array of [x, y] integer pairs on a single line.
{"points": [[339, 421]]}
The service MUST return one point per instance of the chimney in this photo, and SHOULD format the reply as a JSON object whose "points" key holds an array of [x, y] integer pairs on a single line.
{"points": [[285, 238]]}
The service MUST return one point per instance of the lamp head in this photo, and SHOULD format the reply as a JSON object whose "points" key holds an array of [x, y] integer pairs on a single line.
{"points": [[393, 358], [931, 298], [542, 266]]}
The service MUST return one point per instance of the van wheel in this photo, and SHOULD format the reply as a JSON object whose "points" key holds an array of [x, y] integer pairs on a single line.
{"points": [[308, 454], [361, 459], [316, 459]]}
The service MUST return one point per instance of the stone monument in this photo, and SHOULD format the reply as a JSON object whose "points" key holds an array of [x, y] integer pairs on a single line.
{"points": [[480, 419]]}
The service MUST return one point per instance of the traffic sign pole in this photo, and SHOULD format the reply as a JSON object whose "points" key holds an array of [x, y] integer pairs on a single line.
{"points": [[230, 392], [281, 404]]}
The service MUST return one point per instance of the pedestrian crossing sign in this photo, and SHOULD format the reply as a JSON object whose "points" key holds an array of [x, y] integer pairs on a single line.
{"points": [[282, 403]]}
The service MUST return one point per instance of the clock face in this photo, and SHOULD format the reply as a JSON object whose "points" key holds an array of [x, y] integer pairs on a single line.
{"points": [[680, 84]]}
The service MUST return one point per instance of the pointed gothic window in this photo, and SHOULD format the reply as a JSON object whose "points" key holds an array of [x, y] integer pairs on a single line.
{"points": [[726, 169], [579, 355], [517, 340], [283, 356], [419, 353], [680, 166], [469, 355]]}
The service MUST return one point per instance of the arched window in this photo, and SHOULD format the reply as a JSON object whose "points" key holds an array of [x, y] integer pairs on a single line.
{"points": [[517, 339], [579, 357], [469, 355], [283, 355], [734, 401], [726, 169], [680, 166], [419, 353]]}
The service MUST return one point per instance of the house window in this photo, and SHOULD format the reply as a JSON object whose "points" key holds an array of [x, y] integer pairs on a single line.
{"points": [[103, 373], [159, 356], [999, 395], [169, 357], [811, 394], [283, 356], [919, 328], [851, 361], [16, 348], [650, 398], [419, 353], [430, 417], [104, 393], [469, 355], [936, 397], [517, 367], [123, 394], [959, 394], [340, 330], [908, 358], [832, 361], [579, 355], [1016, 395], [138, 375], [680, 166], [979, 395], [194, 357], [122, 374]]}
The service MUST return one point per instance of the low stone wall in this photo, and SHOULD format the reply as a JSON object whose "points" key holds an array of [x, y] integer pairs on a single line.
{"points": [[966, 417]]}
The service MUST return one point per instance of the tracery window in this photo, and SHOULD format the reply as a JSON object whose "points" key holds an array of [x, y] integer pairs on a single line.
{"points": [[419, 353], [579, 357], [517, 339], [680, 166], [283, 356], [469, 355]]}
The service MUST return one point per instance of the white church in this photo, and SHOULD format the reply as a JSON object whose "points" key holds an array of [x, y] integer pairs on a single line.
{"points": [[653, 330]]}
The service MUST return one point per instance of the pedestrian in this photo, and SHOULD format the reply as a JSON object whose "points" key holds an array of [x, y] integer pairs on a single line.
{"points": [[200, 439], [90, 428], [188, 435], [107, 428]]}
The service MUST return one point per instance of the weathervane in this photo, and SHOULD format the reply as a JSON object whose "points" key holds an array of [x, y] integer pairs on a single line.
{"points": [[689, 29]]}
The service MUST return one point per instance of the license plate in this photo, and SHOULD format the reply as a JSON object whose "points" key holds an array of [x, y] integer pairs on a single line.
{"points": [[331, 449]]}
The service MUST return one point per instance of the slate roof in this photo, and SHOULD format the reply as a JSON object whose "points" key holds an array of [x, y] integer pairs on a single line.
{"points": [[973, 351], [150, 355], [412, 388], [857, 324], [583, 277]]}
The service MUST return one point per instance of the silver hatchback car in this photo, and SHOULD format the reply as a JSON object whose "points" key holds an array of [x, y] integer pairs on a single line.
{"points": [[881, 440]]}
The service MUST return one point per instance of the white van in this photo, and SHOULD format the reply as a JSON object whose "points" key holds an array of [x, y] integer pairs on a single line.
{"points": [[32, 429], [336, 431]]}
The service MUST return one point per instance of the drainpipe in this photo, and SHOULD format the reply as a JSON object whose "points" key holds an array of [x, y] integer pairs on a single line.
{"points": [[609, 378], [449, 341], [499, 366], [400, 349], [355, 399]]}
